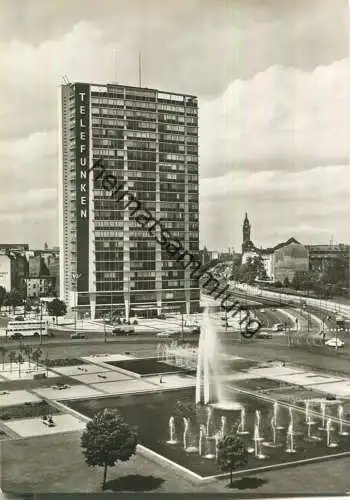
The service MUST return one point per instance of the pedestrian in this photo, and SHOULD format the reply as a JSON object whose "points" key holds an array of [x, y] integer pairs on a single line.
{"points": [[160, 379]]}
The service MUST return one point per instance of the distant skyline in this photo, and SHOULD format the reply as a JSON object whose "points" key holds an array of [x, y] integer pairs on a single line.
{"points": [[272, 77]]}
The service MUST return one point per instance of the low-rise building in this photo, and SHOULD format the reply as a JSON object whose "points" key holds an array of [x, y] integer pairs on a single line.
{"points": [[281, 261]]}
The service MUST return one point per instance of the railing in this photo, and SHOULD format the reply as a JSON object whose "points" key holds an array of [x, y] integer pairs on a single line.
{"points": [[326, 305]]}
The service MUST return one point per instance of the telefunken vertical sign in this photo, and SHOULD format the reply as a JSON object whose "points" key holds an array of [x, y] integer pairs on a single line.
{"points": [[82, 112]]}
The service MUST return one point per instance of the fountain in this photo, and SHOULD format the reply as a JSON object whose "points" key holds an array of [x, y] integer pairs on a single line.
{"points": [[241, 427], [341, 432], [308, 418], [209, 421], [217, 439], [273, 443], [201, 438], [187, 437], [275, 417], [323, 413], [223, 426], [172, 438], [256, 437], [209, 363], [329, 429], [309, 424], [257, 443], [257, 419], [290, 438]]}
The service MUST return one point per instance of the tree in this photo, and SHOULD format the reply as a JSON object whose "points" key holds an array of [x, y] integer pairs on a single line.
{"points": [[3, 294], [12, 357], [56, 308], [3, 352], [286, 282], [187, 410], [28, 352], [36, 355], [15, 298], [232, 453], [107, 440], [19, 359], [303, 280]]}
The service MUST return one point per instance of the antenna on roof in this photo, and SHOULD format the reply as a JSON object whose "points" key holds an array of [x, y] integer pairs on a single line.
{"points": [[140, 70], [115, 66]]}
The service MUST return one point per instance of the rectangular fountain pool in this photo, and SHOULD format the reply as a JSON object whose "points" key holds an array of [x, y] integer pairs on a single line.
{"points": [[147, 366], [150, 413]]}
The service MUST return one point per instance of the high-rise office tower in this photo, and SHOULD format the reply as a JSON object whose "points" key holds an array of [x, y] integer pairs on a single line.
{"points": [[147, 139]]}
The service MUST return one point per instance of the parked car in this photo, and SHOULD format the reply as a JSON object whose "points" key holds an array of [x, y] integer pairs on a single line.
{"points": [[123, 330], [277, 327], [78, 336], [196, 329], [19, 318], [264, 335], [16, 336], [166, 334], [334, 342]]}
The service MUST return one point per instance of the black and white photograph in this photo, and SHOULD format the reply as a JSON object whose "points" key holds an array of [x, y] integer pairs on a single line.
{"points": [[174, 248]]}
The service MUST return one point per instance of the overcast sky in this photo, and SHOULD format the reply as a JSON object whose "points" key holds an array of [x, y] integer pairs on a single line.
{"points": [[273, 81]]}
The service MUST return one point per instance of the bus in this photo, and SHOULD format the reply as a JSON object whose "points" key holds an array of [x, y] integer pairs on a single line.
{"points": [[26, 328]]}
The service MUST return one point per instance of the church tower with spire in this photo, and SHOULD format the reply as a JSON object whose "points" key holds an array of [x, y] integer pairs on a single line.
{"points": [[246, 229]]}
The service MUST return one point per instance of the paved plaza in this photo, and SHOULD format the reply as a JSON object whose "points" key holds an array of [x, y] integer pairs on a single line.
{"points": [[71, 371], [340, 389], [125, 386], [10, 371], [104, 358], [35, 426], [13, 398], [172, 381], [74, 392]]}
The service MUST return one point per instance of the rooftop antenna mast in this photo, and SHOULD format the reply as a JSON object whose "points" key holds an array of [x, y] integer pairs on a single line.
{"points": [[140, 70], [116, 66]]}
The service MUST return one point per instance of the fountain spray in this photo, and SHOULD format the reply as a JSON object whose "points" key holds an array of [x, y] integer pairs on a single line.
{"points": [[323, 413], [329, 428], [172, 437], [185, 420], [341, 421], [241, 427], [209, 415], [290, 438], [223, 426]]}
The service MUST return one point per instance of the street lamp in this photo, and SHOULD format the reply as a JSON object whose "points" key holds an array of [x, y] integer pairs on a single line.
{"points": [[41, 322], [75, 278]]}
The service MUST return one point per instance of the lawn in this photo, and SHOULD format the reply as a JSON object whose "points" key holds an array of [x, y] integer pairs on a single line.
{"points": [[29, 465], [27, 410], [15, 385]]}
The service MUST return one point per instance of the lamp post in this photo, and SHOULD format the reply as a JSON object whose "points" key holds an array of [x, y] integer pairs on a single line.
{"points": [[41, 322], [75, 278]]}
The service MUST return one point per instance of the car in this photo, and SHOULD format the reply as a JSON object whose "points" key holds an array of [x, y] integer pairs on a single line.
{"points": [[277, 327], [262, 310], [264, 335], [334, 342], [196, 329], [166, 334], [19, 318], [78, 336], [123, 330], [16, 336]]}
